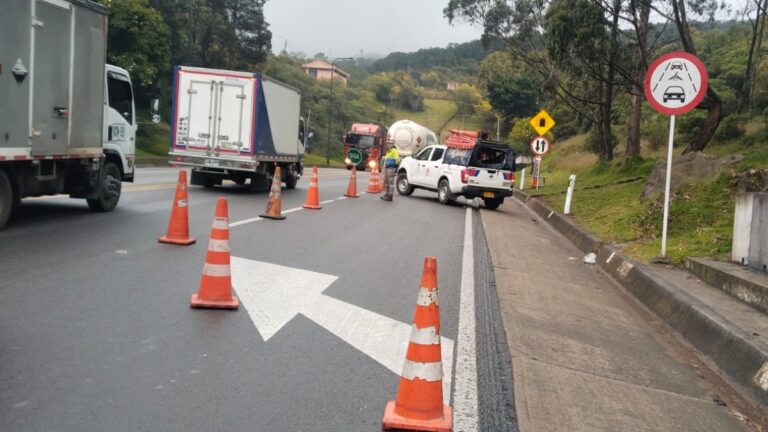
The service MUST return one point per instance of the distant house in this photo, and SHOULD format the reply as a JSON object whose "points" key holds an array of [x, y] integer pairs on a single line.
{"points": [[453, 85], [323, 71]]}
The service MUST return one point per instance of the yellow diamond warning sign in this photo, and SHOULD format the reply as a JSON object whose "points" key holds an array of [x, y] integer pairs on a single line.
{"points": [[542, 122]]}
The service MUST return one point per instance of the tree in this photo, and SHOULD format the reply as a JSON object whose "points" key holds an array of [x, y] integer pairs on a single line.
{"points": [[712, 102], [757, 26], [145, 54], [466, 97], [512, 88], [639, 12]]}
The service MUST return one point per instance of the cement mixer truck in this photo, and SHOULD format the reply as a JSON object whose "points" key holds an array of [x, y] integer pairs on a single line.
{"points": [[410, 137]]}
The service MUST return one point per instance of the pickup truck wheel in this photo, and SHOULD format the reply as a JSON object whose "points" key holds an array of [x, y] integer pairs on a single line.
{"points": [[403, 187], [493, 204], [6, 198], [443, 192], [109, 190]]}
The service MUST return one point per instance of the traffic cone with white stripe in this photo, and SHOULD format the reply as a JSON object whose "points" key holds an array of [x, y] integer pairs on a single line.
{"points": [[313, 194], [216, 284], [419, 402], [352, 188], [178, 226], [373, 182], [273, 210]]}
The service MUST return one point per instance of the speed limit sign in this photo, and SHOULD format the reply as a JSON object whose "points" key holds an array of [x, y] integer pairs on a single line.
{"points": [[540, 146]]}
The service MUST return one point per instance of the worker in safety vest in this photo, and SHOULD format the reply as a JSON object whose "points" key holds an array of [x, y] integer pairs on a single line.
{"points": [[391, 162]]}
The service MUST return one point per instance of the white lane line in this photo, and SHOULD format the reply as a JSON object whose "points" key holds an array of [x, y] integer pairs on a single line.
{"points": [[295, 209], [465, 397]]}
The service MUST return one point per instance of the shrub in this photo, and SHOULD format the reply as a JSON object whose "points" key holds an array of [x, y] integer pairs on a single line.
{"points": [[731, 128]]}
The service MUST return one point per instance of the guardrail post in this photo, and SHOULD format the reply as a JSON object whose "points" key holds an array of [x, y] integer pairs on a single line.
{"points": [[569, 194]]}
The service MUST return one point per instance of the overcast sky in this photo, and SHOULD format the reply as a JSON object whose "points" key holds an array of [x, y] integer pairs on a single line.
{"points": [[341, 28]]}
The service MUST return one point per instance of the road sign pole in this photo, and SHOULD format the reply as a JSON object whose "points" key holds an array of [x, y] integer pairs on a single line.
{"points": [[665, 223]]}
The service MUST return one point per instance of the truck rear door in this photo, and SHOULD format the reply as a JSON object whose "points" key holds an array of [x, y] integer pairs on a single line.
{"points": [[51, 83], [488, 168], [214, 111]]}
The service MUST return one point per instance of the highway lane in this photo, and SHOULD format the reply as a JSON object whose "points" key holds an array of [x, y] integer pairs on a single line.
{"points": [[97, 333]]}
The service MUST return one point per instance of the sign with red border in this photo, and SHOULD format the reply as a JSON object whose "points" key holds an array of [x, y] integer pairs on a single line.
{"points": [[676, 83], [540, 146]]}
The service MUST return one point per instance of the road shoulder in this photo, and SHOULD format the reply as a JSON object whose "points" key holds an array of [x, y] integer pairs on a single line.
{"points": [[582, 357]]}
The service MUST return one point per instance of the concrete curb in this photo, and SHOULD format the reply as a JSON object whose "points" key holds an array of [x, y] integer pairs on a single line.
{"points": [[742, 288], [744, 360]]}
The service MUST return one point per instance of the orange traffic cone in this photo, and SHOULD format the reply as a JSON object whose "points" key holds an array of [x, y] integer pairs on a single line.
{"points": [[352, 188], [313, 195], [382, 183], [216, 284], [178, 226], [373, 182], [273, 210], [419, 403]]}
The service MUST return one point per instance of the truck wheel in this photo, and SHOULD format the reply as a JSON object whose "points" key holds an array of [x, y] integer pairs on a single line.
{"points": [[291, 177], [109, 189], [493, 204], [6, 198], [403, 187], [443, 192]]}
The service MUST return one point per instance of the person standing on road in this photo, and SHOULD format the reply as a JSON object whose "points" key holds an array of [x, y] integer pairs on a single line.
{"points": [[391, 161]]}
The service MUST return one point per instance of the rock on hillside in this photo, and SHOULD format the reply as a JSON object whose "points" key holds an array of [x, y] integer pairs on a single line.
{"points": [[691, 168]]}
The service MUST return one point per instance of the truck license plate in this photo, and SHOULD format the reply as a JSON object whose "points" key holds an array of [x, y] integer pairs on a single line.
{"points": [[211, 162], [488, 194]]}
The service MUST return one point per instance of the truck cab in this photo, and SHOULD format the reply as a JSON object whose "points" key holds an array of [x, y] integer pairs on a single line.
{"points": [[119, 134]]}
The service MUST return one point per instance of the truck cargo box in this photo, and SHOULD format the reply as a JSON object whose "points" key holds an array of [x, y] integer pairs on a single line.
{"points": [[224, 116], [40, 71]]}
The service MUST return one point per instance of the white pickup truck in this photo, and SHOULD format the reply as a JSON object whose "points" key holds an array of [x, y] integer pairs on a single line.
{"points": [[486, 170]]}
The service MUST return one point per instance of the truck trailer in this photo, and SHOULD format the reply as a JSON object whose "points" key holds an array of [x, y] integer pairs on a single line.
{"points": [[410, 137], [236, 126], [67, 119]]}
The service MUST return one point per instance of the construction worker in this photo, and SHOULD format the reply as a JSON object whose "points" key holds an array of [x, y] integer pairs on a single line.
{"points": [[391, 161]]}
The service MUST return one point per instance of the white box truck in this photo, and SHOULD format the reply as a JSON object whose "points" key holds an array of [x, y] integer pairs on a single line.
{"points": [[67, 119], [236, 126]]}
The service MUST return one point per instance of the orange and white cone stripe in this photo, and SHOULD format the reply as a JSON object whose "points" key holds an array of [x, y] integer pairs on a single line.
{"points": [[419, 401], [373, 182], [216, 282]]}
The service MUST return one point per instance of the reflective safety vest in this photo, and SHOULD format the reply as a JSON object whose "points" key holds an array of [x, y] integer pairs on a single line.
{"points": [[392, 159]]}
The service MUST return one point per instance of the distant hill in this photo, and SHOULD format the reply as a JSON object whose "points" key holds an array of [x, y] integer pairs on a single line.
{"points": [[464, 56]]}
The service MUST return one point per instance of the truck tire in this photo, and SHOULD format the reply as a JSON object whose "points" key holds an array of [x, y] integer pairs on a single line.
{"points": [[493, 203], [403, 187], [444, 192], [291, 177], [109, 189], [6, 198]]}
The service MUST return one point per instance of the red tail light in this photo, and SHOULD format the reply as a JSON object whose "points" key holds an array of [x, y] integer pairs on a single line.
{"points": [[509, 176], [464, 176]]}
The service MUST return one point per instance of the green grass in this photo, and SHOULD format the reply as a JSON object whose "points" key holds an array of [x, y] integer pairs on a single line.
{"points": [[701, 216], [435, 114], [319, 160], [153, 140]]}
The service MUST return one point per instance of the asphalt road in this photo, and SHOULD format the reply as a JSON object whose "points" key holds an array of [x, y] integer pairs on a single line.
{"points": [[96, 332]]}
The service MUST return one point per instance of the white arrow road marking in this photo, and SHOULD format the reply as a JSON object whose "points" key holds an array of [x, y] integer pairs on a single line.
{"points": [[273, 295]]}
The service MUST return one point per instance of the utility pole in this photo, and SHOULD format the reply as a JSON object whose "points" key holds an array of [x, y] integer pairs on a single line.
{"points": [[330, 110]]}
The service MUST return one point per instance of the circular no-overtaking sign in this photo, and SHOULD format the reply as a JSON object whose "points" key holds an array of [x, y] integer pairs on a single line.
{"points": [[355, 156], [675, 83], [540, 146]]}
